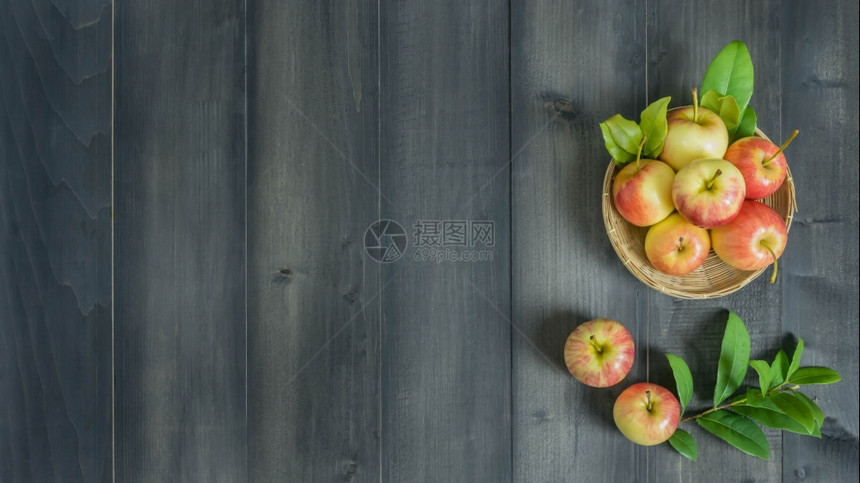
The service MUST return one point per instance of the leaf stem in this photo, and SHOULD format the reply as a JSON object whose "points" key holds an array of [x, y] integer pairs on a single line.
{"points": [[775, 390]]}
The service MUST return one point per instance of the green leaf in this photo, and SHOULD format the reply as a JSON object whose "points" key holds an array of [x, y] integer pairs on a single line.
{"points": [[752, 398], [764, 375], [779, 369], [816, 432], [734, 358], [795, 359], [817, 413], [746, 127], [725, 106], [795, 408], [738, 431], [790, 404], [654, 127], [618, 154], [684, 444], [771, 416], [625, 133], [683, 380], [731, 74], [814, 375]]}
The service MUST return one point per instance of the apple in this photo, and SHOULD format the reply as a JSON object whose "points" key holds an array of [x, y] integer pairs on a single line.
{"points": [[646, 413], [677, 247], [708, 192], [753, 240], [761, 162], [692, 134], [599, 353], [642, 192]]}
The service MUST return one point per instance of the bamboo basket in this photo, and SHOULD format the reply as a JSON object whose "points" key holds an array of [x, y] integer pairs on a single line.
{"points": [[714, 278]]}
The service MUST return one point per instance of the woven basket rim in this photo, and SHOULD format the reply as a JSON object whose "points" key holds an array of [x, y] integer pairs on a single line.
{"points": [[715, 278]]}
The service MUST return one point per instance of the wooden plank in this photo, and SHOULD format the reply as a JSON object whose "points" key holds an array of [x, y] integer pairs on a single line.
{"points": [[55, 206], [313, 293], [444, 153], [819, 64], [573, 64], [682, 40], [180, 242]]}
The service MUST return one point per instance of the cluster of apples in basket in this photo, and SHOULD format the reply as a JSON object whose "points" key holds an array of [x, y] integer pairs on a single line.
{"points": [[701, 193], [696, 175]]}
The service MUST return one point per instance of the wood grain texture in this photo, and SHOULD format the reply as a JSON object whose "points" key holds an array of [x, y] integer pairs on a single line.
{"points": [[55, 205], [256, 339], [337, 341], [444, 141], [180, 242], [820, 83], [313, 293], [573, 64]]}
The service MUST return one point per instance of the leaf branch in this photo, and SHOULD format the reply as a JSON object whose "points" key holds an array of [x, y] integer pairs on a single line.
{"points": [[778, 389]]}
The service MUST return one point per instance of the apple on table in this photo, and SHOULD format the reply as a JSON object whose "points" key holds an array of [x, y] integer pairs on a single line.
{"points": [[647, 414], [599, 353]]}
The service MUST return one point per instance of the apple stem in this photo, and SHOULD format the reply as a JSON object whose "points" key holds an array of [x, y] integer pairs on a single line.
{"points": [[639, 152], [648, 404], [597, 347], [781, 148], [775, 265], [695, 104], [681, 244], [711, 182]]}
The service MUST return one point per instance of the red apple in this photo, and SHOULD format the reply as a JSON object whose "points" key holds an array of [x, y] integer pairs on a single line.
{"points": [[709, 192], [646, 413], [642, 192], [753, 240], [761, 162], [693, 133], [599, 353], [677, 247]]}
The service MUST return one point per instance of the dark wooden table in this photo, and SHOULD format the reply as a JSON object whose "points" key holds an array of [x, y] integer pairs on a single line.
{"points": [[186, 189]]}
